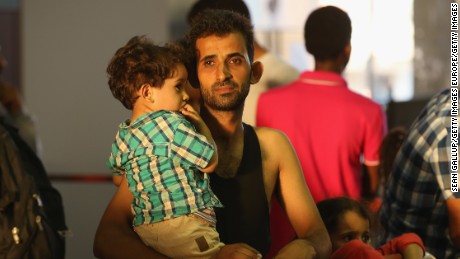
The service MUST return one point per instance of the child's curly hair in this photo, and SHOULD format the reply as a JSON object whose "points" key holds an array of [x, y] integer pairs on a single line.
{"points": [[140, 62]]}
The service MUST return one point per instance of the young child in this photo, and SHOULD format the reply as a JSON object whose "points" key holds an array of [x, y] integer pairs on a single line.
{"points": [[348, 224], [164, 159]]}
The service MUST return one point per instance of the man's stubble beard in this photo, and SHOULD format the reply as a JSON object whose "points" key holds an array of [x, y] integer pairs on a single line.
{"points": [[227, 102]]}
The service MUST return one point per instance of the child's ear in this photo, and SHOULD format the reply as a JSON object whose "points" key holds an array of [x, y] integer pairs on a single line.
{"points": [[146, 92], [257, 68]]}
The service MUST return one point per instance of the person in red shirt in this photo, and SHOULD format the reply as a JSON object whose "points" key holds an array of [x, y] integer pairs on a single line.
{"points": [[335, 132]]}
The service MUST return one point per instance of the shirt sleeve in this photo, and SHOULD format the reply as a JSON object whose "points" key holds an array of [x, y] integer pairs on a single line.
{"points": [[376, 129], [398, 244], [440, 163], [190, 147], [115, 170], [114, 161]]}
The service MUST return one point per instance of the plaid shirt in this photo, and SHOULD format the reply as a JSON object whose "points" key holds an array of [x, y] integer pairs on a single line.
{"points": [[419, 185], [161, 154]]}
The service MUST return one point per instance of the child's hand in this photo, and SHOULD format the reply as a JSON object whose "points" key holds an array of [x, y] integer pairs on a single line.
{"points": [[413, 251], [193, 116]]}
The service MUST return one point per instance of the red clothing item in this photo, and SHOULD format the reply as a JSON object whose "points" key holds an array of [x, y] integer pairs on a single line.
{"points": [[356, 249], [331, 129], [398, 244]]}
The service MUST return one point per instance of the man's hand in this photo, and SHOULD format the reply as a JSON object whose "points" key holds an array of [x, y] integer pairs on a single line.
{"points": [[299, 248], [237, 251]]}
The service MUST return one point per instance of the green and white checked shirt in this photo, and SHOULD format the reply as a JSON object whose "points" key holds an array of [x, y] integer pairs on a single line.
{"points": [[162, 154]]}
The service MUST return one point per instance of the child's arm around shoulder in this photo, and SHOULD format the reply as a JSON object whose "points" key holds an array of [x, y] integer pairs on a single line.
{"points": [[193, 116]]}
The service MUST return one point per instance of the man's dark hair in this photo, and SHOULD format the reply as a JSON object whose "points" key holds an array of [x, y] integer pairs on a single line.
{"points": [[238, 6], [140, 62], [221, 23], [327, 31]]}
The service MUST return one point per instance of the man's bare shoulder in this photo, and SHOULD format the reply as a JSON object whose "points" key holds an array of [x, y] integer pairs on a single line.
{"points": [[265, 134], [272, 141]]}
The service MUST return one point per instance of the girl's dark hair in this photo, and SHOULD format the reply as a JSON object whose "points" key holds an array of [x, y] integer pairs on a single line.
{"points": [[140, 62], [331, 210]]}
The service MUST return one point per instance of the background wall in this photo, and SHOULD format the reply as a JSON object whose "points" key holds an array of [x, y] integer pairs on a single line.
{"points": [[66, 46], [9, 41], [431, 61]]}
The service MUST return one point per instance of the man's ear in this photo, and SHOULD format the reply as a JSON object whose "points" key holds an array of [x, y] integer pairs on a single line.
{"points": [[347, 50], [257, 68], [146, 92], [345, 55]]}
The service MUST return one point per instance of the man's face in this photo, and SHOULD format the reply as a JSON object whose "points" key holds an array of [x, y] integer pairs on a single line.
{"points": [[224, 71]]}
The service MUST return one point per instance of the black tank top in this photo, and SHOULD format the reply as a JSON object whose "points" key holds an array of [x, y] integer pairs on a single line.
{"points": [[245, 215]]}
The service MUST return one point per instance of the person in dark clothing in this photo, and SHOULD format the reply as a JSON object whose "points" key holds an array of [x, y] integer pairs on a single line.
{"points": [[14, 110], [222, 41]]}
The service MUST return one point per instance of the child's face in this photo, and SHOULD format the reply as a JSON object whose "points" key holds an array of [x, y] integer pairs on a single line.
{"points": [[172, 96], [349, 227]]}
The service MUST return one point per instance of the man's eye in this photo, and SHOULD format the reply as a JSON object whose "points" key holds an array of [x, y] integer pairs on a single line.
{"points": [[178, 88], [209, 63], [235, 61]]}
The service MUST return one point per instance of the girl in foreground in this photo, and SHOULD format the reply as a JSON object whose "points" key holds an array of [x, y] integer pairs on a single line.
{"points": [[348, 224]]}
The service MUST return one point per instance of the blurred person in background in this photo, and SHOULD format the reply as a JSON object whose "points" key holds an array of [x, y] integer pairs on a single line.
{"points": [[13, 109], [419, 195], [335, 132]]}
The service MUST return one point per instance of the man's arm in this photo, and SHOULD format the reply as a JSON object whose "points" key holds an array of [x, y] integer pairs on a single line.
{"points": [[453, 209], [115, 237], [298, 203], [116, 179]]}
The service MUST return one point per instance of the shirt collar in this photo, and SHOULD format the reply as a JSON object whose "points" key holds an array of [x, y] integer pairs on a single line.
{"points": [[141, 120], [323, 78]]}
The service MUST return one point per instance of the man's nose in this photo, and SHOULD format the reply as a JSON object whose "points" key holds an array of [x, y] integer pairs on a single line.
{"points": [[223, 73]]}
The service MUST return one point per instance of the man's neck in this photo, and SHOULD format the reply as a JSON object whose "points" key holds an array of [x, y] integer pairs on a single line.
{"points": [[329, 66], [228, 133], [224, 125], [335, 65]]}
